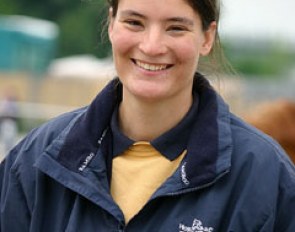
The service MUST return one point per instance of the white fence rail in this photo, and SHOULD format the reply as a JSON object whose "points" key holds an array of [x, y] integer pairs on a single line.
{"points": [[30, 114]]}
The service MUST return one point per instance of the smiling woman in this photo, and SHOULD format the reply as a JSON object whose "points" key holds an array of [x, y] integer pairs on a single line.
{"points": [[156, 54], [157, 149]]}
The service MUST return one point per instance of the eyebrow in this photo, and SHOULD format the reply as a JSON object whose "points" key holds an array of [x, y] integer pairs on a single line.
{"points": [[126, 13], [183, 20]]}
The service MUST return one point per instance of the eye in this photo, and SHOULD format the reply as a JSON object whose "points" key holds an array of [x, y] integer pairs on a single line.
{"points": [[133, 23], [176, 28]]}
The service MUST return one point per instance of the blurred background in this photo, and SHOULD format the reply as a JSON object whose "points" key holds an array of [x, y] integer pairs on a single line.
{"points": [[55, 57]]}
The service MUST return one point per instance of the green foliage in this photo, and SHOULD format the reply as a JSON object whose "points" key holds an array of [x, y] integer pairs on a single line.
{"points": [[260, 58], [80, 21], [81, 31], [8, 6]]}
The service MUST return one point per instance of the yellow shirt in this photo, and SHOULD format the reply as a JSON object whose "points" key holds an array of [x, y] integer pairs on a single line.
{"points": [[137, 174]]}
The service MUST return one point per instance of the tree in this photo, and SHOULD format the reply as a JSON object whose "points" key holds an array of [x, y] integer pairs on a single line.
{"points": [[81, 22]]}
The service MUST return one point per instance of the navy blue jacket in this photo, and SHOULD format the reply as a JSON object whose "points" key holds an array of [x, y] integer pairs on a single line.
{"points": [[233, 178]]}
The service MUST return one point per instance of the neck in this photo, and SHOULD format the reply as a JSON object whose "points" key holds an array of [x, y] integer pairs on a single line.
{"points": [[145, 121]]}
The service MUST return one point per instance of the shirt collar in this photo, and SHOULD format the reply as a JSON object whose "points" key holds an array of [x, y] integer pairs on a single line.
{"points": [[120, 141], [170, 144]]}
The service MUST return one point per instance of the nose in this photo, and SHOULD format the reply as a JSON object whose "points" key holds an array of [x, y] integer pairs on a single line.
{"points": [[153, 43]]}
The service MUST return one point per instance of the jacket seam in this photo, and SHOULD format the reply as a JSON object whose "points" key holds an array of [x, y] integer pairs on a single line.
{"points": [[19, 186]]}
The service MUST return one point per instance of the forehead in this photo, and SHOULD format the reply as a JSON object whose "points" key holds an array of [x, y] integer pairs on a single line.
{"points": [[158, 8]]}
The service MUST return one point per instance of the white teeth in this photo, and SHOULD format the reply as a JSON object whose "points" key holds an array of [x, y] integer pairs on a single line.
{"points": [[151, 67]]}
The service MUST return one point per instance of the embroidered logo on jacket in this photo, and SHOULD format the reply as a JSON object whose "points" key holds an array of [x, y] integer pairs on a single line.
{"points": [[183, 175], [196, 227], [86, 161]]}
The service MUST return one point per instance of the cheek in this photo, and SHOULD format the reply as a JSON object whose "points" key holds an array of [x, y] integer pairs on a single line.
{"points": [[187, 51], [121, 42]]}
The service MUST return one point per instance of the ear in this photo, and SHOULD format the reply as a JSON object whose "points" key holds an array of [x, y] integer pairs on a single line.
{"points": [[209, 38], [111, 23]]}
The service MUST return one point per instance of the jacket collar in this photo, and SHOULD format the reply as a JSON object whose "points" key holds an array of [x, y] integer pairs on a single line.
{"points": [[170, 144], [88, 132], [209, 147]]}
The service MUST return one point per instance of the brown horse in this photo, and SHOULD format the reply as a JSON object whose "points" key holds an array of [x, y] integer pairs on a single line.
{"points": [[276, 119]]}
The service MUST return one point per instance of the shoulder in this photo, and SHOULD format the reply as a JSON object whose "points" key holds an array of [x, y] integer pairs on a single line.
{"points": [[260, 153], [40, 138], [245, 134], [18, 174]]}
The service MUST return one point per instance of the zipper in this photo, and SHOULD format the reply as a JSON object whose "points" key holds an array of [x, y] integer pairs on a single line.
{"points": [[172, 194]]}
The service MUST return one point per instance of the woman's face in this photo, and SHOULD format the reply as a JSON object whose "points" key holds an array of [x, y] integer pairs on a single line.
{"points": [[156, 47]]}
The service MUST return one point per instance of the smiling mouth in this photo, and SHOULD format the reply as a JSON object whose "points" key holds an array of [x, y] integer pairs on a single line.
{"points": [[151, 67]]}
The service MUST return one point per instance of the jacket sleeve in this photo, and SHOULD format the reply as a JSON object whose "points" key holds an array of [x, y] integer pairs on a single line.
{"points": [[18, 175], [285, 214], [15, 213]]}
